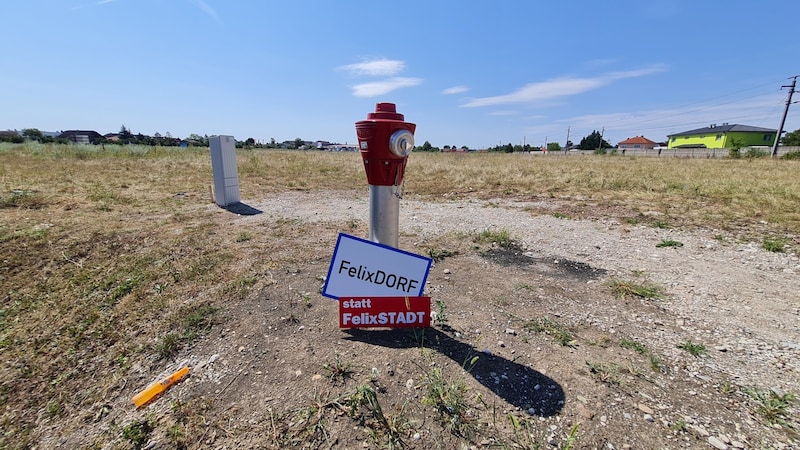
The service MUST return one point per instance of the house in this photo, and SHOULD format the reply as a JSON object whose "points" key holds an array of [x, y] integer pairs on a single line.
{"points": [[81, 136], [638, 142], [723, 136]]}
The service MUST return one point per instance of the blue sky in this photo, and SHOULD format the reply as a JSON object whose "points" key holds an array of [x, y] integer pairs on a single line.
{"points": [[467, 72]]}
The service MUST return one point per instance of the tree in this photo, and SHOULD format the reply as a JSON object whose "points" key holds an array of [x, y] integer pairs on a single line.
{"points": [[298, 143], [553, 147], [593, 141], [791, 139], [32, 134]]}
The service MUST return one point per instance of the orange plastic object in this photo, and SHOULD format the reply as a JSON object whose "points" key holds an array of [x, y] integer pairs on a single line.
{"points": [[152, 391]]}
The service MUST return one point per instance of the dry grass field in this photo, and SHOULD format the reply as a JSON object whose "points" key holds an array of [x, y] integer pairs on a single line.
{"points": [[115, 268]]}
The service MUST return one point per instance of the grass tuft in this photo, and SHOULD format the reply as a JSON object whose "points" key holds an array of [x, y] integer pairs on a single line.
{"points": [[560, 333], [774, 244], [695, 349], [669, 243], [622, 289]]}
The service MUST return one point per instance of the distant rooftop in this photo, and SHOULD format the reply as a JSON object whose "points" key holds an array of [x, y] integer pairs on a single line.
{"points": [[724, 128], [637, 140]]}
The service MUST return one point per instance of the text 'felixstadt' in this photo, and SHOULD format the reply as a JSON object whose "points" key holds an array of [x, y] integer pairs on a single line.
{"points": [[380, 277]]}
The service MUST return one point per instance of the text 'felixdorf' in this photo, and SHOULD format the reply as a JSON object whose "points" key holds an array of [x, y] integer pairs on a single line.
{"points": [[378, 277]]}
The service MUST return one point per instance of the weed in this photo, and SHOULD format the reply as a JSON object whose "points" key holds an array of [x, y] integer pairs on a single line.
{"points": [[774, 244], [679, 426], [501, 238], [753, 153], [661, 224], [137, 432], [448, 397], [633, 345], [669, 243], [338, 370], [24, 199], [123, 289], [440, 255], [560, 333], [168, 346], [571, 437], [54, 408], [632, 221], [695, 349], [622, 288], [394, 426], [655, 363], [198, 321], [558, 215], [441, 313], [791, 156], [773, 405], [604, 372], [726, 387]]}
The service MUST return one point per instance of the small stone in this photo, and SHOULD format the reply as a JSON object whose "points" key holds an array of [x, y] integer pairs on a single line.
{"points": [[699, 430], [410, 384], [627, 416], [737, 444], [501, 343], [583, 399], [241, 349], [416, 436], [724, 438], [447, 271], [511, 331], [645, 409], [583, 411], [716, 443], [316, 377], [649, 418]]}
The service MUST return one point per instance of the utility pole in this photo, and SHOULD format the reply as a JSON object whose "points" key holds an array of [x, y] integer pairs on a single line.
{"points": [[785, 112], [566, 144], [600, 145]]}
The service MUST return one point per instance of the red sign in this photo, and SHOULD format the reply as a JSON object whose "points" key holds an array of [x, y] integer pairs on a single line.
{"points": [[385, 312]]}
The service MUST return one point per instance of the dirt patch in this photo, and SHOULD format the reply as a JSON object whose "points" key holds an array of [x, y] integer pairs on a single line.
{"points": [[531, 348]]}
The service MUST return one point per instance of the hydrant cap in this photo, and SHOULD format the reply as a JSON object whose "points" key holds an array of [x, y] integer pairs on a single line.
{"points": [[385, 111]]}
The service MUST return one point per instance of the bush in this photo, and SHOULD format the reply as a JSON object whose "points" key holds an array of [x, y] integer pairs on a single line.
{"points": [[791, 155], [753, 153]]}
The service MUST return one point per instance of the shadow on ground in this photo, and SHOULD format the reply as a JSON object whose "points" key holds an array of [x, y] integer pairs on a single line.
{"points": [[515, 383], [242, 209]]}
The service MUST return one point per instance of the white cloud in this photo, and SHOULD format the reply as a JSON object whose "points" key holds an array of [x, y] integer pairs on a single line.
{"points": [[206, 9], [378, 67], [455, 90], [103, 2], [377, 88], [560, 87]]}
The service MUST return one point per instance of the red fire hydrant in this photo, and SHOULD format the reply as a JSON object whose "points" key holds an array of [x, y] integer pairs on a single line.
{"points": [[385, 141]]}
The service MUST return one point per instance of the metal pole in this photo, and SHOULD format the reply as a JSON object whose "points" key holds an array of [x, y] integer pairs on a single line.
{"points": [[783, 119], [384, 215]]}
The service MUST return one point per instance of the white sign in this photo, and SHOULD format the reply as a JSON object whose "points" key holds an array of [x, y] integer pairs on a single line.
{"points": [[363, 268]]}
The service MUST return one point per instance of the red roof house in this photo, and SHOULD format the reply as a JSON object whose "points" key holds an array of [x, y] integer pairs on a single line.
{"points": [[639, 142]]}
